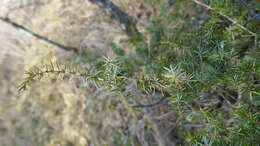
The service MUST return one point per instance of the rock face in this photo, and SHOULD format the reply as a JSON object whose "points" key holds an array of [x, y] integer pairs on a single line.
{"points": [[54, 112], [76, 23]]}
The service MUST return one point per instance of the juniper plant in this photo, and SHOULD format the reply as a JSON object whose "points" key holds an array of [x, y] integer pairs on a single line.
{"points": [[204, 59]]}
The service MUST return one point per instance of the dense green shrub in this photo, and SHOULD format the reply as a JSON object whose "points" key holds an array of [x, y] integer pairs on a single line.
{"points": [[204, 61]]}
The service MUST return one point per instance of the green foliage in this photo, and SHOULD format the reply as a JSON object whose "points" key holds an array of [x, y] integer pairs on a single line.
{"points": [[206, 64]]}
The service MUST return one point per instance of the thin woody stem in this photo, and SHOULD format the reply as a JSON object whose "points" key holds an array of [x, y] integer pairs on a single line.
{"points": [[228, 18]]}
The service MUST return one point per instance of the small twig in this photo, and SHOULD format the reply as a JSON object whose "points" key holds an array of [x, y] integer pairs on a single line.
{"points": [[229, 103], [228, 18], [163, 116]]}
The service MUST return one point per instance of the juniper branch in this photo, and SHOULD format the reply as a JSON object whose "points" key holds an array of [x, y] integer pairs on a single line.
{"points": [[235, 22], [37, 73]]}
